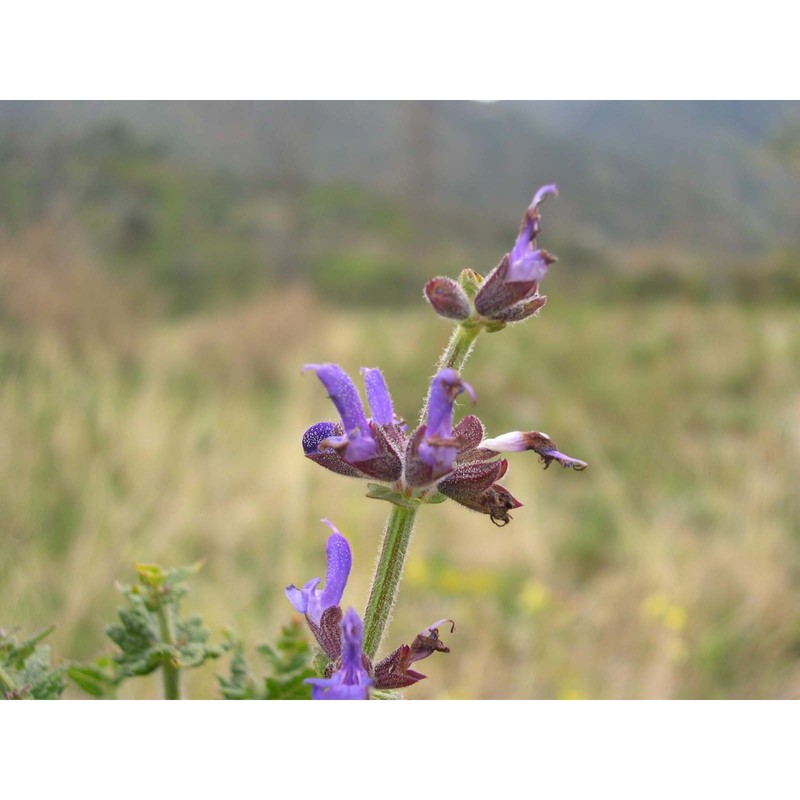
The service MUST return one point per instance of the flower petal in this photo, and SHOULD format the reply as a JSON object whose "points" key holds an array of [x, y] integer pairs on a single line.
{"points": [[445, 387], [380, 401], [433, 445], [416, 471], [312, 601], [299, 598], [394, 671], [541, 443], [344, 395], [351, 681], [530, 267], [438, 455], [317, 433], [543, 191], [340, 560], [503, 294], [566, 461], [333, 689], [385, 464]]}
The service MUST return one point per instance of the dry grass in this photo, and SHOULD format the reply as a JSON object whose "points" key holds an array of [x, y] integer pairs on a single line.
{"points": [[668, 569]]}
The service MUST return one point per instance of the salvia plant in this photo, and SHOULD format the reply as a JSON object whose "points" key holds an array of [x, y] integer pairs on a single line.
{"points": [[408, 466], [411, 467]]}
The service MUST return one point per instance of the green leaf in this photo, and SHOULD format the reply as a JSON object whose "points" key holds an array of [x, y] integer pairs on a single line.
{"points": [[435, 497], [290, 662], [385, 694], [26, 670], [376, 491], [240, 685], [22, 651], [99, 679]]}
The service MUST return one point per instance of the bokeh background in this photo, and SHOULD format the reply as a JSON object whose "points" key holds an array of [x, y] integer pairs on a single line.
{"points": [[166, 269]]}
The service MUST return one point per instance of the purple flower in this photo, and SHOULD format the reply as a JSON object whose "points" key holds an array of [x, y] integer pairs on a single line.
{"points": [[473, 481], [357, 446], [351, 681], [355, 442], [510, 293], [445, 387], [541, 443], [312, 601], [349, 672], [378, 447], [526, 262], [433, 450]]}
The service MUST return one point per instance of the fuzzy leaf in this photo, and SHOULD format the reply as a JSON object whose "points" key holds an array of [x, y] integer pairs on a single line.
{"points": [[376, 491], [290, 662], [98, 679], [26, 671]]}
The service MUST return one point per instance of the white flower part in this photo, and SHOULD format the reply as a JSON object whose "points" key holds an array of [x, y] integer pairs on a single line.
{"points": [[436, 625], [513, 442]]}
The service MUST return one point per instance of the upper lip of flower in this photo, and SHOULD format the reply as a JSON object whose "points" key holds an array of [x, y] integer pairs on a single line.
{"points": [[357, 442], [432, 451], [314, 602]]}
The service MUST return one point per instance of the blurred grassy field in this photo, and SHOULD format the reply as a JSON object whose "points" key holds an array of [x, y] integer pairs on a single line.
{"points": [[668, 569]]}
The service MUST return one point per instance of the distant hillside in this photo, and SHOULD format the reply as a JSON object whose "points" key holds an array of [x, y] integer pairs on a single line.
{"points": [[687, 175]]}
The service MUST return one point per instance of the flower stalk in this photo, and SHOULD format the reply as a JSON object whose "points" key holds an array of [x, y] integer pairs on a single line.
{"points": [[170, 671], [388, 571], [459, 347]]}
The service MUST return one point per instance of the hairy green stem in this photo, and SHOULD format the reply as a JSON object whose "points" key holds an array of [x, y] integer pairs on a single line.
{"points": [[400, 525], [386, 580], [459, 347], [170, 671]]}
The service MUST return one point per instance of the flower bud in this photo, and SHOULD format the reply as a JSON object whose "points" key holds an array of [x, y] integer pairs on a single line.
{"points": [[448, 299]]}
